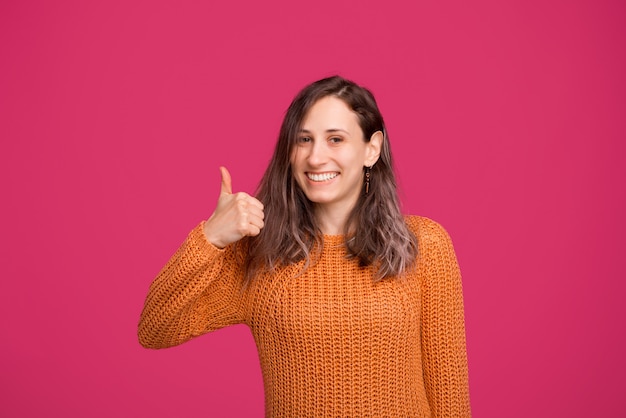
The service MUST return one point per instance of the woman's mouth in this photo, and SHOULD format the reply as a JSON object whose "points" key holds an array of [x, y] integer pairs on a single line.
{"points": [[321, 176]]}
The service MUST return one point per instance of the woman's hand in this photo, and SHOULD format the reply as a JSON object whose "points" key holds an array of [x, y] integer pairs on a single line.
{"points": [[236, 215]]}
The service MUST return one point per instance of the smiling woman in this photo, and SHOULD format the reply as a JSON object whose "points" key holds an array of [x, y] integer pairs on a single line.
{"points": [[356, 310], [328, 162], [332, 122]]}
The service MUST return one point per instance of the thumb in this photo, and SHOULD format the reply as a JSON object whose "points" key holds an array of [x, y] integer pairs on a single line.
{"points": [[227, 187]]}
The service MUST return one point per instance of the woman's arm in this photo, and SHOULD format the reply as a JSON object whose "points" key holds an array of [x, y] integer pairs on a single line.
{"points": [[198, 290], [443, 324]]}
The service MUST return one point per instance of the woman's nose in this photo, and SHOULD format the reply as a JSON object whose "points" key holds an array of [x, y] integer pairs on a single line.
{"points": [[318, 153]]}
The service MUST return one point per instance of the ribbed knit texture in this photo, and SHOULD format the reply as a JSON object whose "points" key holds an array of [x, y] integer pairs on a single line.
{"points": [[331, 341]]}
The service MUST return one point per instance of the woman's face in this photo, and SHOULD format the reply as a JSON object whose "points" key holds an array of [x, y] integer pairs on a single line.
{"points": [[328, 158]]}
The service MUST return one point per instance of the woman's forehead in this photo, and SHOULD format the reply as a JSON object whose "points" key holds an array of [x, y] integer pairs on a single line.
{"points": [[330, 114]]}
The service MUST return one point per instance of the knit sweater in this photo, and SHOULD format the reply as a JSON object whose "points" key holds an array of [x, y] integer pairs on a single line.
{"points": [[332, 342]]}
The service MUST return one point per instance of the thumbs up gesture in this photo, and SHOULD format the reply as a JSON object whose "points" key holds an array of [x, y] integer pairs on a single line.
{"points": [[236, 215]]}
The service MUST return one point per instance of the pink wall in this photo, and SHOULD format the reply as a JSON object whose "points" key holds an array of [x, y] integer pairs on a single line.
{"points": [[508, 124]]}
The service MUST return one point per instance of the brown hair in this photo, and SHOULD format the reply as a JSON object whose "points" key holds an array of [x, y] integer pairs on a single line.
{"points": [[375, 232]]}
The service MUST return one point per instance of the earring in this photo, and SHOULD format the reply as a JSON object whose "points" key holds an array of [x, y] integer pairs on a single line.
{"points": [[367, 179]]}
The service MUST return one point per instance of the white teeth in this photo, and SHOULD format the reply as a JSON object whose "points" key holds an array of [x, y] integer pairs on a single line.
{"points": [[321, 177]]}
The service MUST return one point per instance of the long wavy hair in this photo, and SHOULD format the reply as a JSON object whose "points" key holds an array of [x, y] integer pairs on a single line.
{"points": [[375, 232]]}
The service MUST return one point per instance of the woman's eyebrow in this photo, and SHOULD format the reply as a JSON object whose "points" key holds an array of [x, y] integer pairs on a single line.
{"points": [[332, 130], [337, 130]]}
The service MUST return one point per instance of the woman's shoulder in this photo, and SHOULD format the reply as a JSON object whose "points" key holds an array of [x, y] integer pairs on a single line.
{"points": [[426, 230]]}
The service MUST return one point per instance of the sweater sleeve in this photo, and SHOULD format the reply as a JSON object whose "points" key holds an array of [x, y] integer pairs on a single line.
{"points": [[198, 290], [443, 324]]}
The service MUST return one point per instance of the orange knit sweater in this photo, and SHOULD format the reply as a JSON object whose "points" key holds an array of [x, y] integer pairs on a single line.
{"points": [[331, 342]]}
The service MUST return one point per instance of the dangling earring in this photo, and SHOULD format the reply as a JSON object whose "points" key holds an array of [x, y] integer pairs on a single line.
{"points": [[367, 179]]}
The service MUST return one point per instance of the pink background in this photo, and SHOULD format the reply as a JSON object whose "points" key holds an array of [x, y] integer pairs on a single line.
{"points": [[507, 120]]}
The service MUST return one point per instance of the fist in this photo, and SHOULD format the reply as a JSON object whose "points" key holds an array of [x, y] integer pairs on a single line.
{"points": [[236, 215]]}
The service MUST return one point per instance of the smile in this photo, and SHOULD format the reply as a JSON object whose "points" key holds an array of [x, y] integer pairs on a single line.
{"points": [[321, 176]]}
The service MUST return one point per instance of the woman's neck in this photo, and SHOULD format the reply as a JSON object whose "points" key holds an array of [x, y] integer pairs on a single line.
{"points": [[332, 221]]}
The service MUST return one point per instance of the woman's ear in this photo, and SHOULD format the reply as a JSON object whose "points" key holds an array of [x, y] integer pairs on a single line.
{"points": [[374, 146]]}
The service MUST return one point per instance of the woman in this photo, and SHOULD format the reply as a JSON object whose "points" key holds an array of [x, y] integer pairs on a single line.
{"points": [[356, 310]]}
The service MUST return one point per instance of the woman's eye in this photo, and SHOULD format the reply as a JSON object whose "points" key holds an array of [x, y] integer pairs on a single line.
{"points": [[304, 139], [335, 139]]}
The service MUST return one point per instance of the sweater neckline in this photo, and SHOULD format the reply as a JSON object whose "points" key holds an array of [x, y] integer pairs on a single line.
{"points": [[334, 239]]}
